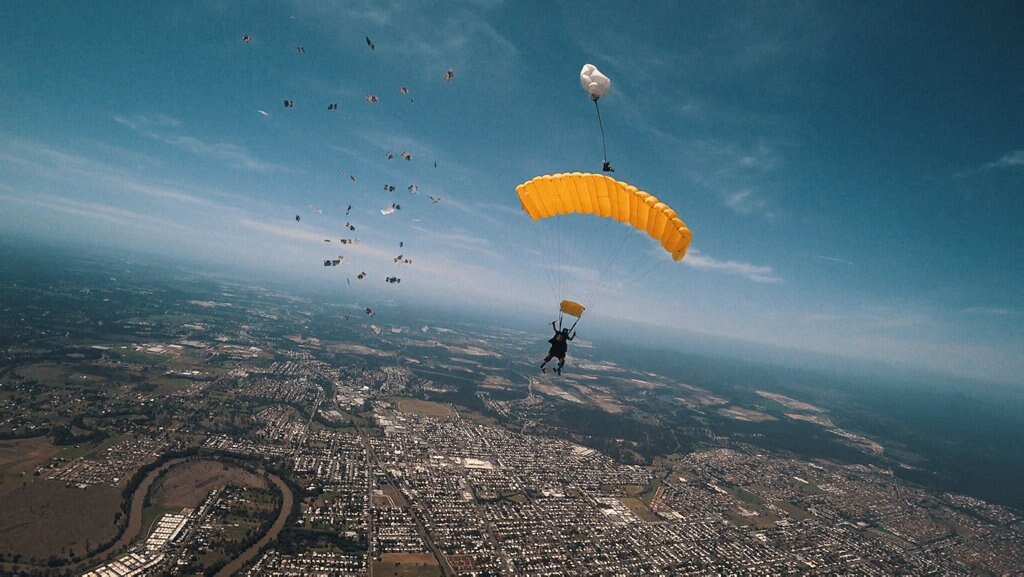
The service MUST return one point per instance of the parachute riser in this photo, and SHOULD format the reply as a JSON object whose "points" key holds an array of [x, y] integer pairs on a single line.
{"points": [[605, 165], [573, 327], [561, 318]]}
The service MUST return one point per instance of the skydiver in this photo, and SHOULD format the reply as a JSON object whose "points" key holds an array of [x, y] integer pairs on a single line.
{"points": [[559, 346], [246, 38], [300, 49], [332, 106], [389, 157], [370, 43], [348, 210], [434, 199], [289, 104], [449, 76], [297, 218], [401, 243]]}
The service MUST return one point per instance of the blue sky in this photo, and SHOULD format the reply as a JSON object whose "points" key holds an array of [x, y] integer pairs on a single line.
{"points": [[852, 171]]}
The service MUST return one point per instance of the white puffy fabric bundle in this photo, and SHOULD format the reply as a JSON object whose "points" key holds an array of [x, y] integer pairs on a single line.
{"points": [[595, 83]]}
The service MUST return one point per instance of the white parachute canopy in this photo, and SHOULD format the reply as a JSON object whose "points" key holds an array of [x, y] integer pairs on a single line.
{"points": [[595, 83]]}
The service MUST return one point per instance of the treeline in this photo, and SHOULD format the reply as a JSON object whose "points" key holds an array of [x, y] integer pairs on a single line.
{"points": [[64, 435]]}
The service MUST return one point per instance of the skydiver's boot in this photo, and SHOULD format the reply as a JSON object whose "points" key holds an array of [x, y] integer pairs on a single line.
{"points": [[542, 369]]}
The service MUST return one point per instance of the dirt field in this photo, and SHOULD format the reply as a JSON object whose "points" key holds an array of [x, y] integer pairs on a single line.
{"points": [[20, 457], [407, 565], [48, 373], [742, 414], [496, 382], [639, 508], [46, 518], [425, 408], [187, 484]]}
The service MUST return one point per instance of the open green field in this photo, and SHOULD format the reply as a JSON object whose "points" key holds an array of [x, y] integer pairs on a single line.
{"points": [[187, 484], [47, 373], [765, 520], [639, 509], [45, 519], [794, 511], [424, 408], [407, 565], [18, 459]]}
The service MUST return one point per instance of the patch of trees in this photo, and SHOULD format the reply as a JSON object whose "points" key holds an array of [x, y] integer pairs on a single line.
{"points": [[294, 540], [23, 433], [63, 435]]}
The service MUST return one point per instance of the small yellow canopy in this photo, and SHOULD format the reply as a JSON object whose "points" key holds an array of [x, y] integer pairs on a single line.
{"points": [[572, 308]]}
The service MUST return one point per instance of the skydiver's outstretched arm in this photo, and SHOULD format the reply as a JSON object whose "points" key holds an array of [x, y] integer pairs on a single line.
{"points": [[553, 327]]}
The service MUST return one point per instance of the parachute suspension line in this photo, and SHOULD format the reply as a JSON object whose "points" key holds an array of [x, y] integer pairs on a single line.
{"points": [[612, 256], [610, 250], [561, 256], [605, 166], [544, 257]]}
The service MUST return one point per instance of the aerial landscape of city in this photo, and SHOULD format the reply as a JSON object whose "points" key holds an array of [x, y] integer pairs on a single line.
{"points": [[160, 421]]}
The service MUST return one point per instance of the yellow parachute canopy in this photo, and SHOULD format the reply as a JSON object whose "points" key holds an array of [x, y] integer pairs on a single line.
{"points": [[556, 194], [572, 308]]}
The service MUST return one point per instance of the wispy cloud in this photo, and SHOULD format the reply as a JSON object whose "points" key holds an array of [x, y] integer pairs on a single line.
{"points": [[312, 238], [744, 201], [1010, 159], [756, 273], [52, 164], [739, 175], [94, 211], [819, 318], [233, 155], [460, 240], [833, 259], [418, 36], [143, 123], [992, 311]]}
